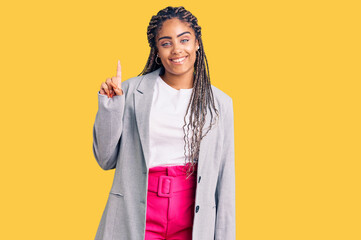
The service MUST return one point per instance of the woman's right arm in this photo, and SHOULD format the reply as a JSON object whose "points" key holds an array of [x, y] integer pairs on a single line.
{"points": [[108, 125]]}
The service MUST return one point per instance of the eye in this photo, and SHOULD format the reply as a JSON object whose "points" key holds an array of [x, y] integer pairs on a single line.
{"points": [[164, 44], [186, 40]]}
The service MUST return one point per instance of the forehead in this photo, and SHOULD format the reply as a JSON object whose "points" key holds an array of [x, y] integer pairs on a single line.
{"points": [[173, 27]]}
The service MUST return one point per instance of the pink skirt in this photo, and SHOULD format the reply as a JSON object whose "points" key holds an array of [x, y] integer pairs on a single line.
{"points": [[170, 203]]}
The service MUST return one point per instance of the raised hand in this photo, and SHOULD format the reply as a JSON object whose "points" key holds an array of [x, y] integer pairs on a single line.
{"points": [[112, 86]]}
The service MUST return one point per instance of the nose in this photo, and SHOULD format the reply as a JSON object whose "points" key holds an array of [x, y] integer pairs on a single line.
{"points": [[177, 49]]}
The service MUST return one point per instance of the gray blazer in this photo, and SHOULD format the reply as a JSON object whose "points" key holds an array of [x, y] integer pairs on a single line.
{"points": [[121, 141]]}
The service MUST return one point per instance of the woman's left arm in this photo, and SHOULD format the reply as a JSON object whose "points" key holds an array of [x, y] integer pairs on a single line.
{"points": [[225, 192]]}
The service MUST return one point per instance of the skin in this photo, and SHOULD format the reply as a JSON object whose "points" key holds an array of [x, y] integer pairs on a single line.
{"points": [[171, 45], [175, 39]]}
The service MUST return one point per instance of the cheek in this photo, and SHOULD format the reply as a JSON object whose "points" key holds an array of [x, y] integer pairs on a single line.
{"points": [[193, 53], [163, 53], [191, 49]]}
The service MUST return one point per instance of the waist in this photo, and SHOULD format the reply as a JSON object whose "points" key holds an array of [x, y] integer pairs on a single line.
{"points": [[166, 180]]}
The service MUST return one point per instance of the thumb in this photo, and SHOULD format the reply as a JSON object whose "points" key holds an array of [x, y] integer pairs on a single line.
{"points": [[118, 91]]}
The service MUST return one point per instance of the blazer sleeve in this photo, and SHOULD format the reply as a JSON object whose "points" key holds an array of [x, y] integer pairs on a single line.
{"points": [[107, 129], [225, 227]]}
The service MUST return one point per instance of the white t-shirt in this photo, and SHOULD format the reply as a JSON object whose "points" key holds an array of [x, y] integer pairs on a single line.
{"points": [[169, 106]]}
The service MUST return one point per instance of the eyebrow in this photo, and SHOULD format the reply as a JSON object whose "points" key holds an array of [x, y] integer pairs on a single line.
{"points": [[177, 36]]}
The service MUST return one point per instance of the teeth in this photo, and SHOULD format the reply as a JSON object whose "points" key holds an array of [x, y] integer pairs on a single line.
{"points": [[178, 60]]}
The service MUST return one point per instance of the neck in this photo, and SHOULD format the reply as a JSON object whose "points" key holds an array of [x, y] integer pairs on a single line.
{"points": [[184, 81]]}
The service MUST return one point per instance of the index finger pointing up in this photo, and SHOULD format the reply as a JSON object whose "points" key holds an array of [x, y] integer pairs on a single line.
{"points": [[119, 72]]}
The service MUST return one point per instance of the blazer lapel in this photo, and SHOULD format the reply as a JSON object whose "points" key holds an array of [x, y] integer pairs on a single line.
{"points": [[143, 97]]}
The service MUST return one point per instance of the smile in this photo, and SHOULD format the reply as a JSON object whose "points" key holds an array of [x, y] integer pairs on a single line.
{"points": [[179, 60]]}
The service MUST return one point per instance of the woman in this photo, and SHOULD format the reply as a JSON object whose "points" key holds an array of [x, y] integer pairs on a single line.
{"points": [[169, 135]]}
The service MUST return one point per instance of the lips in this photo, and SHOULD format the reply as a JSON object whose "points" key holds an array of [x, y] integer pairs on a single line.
{"points": [[178, 60]]}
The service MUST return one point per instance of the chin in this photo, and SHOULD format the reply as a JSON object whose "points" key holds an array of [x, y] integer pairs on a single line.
{"points": [[179, 71]]}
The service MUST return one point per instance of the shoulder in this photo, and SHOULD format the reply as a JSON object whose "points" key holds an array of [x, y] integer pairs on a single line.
{"points": [[132, 82], [221, 99]]}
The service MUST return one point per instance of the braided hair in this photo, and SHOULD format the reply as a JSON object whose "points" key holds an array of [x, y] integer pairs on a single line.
{"points": [[202, 95]]}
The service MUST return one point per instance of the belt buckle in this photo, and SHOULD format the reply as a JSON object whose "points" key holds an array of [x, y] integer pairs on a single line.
{"points": [[160, 186]]}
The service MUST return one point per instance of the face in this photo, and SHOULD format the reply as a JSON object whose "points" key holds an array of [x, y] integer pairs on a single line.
{"points": [[176, 40]]}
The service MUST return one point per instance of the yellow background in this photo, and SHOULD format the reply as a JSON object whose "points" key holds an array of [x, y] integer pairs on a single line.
{"points": [[291, 67]]}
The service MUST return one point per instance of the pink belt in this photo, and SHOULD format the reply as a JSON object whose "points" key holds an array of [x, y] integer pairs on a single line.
{"points": [[165, 186]]}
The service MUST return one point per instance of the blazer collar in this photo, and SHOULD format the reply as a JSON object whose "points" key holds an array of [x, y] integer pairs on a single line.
{"points": [[143, 97], [148, 81]]}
